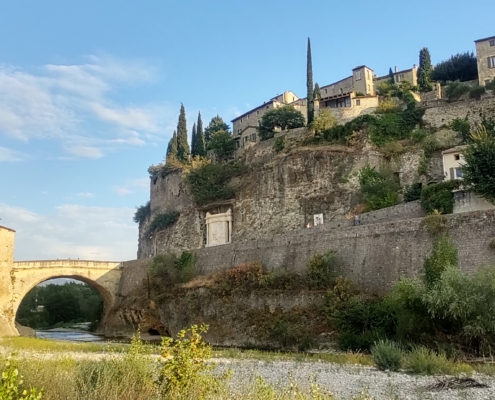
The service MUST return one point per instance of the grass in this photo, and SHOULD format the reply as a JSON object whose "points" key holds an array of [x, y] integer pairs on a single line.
{"points": [[47, 345]]}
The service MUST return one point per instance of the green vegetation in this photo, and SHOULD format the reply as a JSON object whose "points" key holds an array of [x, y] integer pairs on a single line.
{"points": [[172, 148], [182, 143], [443, 255], [222, 144], [324, 121], [490, 85], [164, 220], [68, 303], [168, 269], [413, 192], [142, 212], [379, 188], [322, 270], [212, 181], [279, 144], [216, 124], [460, 67], [11, 384], [454, 90], [480, 161], [199, 139], [463, 127], [284, 117], [342, 133], [476, 92], [309, 85], [387, 355], [439, 197], [425, 70]]}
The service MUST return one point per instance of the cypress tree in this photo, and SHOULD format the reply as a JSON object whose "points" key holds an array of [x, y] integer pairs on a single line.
{"points": [[391, 78], [317, 92], [200, 146], [172, 147], [424, 70], [309, 85], [182, 144], [193, 140]]}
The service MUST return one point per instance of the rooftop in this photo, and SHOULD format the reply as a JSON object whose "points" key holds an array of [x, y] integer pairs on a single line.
{"points": [[482, 40], [4, 227], [456, 149]]}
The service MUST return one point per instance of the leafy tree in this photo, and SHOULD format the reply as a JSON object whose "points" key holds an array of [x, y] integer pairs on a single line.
{"points": [[182, 143], [222, 144], [317, 92], [443, 255], [323, 121], [391, 79], [309, 84], [285, 117], [193, 140], [460, 67], [172, 147], [199, 146], [454, 90], [424, 70], [480, 163], [379, 188], [216, 124]]}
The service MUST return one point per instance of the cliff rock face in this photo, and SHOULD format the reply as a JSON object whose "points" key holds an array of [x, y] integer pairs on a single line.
{"points": [[280, 192]]}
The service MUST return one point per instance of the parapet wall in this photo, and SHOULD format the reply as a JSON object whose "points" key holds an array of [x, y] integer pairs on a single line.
{"points": [[375, 256]]}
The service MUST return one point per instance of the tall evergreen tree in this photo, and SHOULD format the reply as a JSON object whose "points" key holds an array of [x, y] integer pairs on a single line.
{"points": [[200, 146], [193, 140], [424, 70], [172, 147], [182, 144], [309, 85], [216, 124], [317, 92], [391, 78]]}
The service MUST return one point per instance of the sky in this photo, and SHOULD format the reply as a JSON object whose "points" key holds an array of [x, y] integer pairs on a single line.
{"points": [[90, 92]]}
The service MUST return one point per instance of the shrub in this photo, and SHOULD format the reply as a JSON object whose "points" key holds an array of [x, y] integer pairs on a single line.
{"points": [[388, 106], [285, 117], [435, 223], [244, 273], [443, 255], [279, 144], [460, 67], [454, 90], [186, 265], [413, 192], [490, 85], [164, 220], [11, 384], [439, 197], [322, 269], [324, 121], [463, 127], [172, 270], [387, 355], [142, 212], [222, 144], [211, 182], [418, 135], [476, 92], [479, 161], [340, 133], [424, 361], [379, 188]]}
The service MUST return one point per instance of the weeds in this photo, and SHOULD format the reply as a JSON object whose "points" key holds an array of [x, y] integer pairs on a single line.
{"points": [[387, 355]]}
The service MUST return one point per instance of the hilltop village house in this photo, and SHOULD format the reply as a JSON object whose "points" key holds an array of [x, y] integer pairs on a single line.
{"points": [[350, 97]]}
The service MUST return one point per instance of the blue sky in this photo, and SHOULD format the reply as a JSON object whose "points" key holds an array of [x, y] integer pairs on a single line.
{"points": [[90, 92]]}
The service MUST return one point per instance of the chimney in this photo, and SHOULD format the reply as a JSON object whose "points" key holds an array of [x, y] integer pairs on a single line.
{"points": [[396, 69]]}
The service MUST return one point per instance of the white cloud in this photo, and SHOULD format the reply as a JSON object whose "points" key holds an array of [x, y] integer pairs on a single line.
{"points": [[8, 155], [133, 185], [73, 231], [88, 195], [76, 105]]}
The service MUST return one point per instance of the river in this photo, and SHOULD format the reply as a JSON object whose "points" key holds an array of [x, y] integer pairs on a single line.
{"points": [[70, 336]]}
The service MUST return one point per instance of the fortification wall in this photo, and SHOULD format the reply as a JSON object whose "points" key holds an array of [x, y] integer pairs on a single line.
{"points": [[374, 256], [440, 113]]}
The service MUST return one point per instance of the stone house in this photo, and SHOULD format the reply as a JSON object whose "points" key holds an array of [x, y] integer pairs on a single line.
{"points": [[410, 75], [485, 55], [452, 163]]}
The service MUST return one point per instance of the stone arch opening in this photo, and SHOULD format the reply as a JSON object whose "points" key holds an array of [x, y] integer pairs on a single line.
{"points": [[107, 298]]}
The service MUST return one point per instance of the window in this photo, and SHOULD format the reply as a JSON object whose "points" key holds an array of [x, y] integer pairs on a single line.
{"points": [[457, 157], [258, 112], [491, 62], [358, 75], [358, 102], [267, 107], [241, 120], [325, 91], [458, 173], [492, 42], [341, 91]]}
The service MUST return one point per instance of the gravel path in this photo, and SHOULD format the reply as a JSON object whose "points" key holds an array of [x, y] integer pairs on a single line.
{"points": [[348, 381]]}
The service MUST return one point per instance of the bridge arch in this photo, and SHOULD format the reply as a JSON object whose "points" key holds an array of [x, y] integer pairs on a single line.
{"points": [[103, 276]]}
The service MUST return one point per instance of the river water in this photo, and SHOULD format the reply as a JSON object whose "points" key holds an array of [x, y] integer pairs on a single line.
{"points": [[70, 336]]}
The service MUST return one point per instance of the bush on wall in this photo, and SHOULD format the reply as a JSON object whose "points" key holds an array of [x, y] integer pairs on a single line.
{"points": [[439, 197], [142, 212], [379, 188], [164, 220]]}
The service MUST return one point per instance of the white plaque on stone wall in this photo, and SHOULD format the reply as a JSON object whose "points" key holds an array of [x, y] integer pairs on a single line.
{"points": [[318, 219], [218, 228]]}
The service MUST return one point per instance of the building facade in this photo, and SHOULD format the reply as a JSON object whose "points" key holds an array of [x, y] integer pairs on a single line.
{"points": [[452, 163], [485, 55]]}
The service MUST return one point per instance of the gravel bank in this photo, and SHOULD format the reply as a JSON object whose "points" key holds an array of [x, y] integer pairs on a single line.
{"points": [[348, 381]]}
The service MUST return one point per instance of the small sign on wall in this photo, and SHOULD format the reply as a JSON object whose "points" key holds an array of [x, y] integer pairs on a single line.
{"points": [[318, 219]]}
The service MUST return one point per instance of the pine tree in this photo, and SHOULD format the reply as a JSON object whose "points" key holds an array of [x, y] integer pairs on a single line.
{"points": [[424, 70], [193, 140], [172, 147], [200, 146], [317, 92], [216, 124], [182, 144], [391, 78], [309, 85]]}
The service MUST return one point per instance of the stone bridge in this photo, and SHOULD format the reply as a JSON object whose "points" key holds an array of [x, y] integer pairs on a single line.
{"points": [[18, 278]]}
